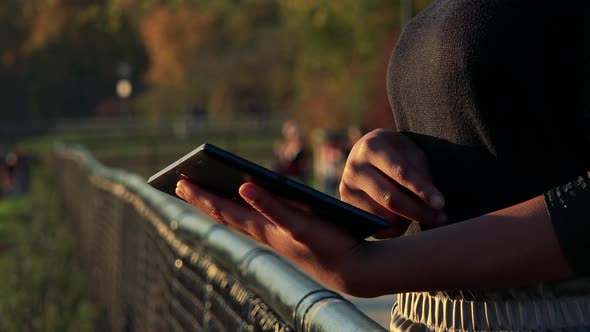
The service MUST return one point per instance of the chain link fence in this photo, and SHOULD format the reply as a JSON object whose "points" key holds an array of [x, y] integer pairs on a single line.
{"points": [[153, 264]]}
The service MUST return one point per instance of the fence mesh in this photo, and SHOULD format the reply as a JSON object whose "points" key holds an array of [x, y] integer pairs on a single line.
{"points": [[148, 276]]}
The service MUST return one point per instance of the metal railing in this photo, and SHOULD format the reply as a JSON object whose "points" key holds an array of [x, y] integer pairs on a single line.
{"points": [[153, 264]]}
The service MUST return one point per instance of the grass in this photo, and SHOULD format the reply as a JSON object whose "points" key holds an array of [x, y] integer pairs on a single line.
{"points": [[41, 284]]}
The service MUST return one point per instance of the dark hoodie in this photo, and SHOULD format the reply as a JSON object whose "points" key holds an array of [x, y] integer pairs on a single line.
{"points": [[496, 93]]}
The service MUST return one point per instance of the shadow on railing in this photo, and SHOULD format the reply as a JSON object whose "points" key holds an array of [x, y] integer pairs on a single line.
{"points": [[156, 265]]}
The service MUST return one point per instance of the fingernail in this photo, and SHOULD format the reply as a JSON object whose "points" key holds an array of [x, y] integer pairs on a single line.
{"points": [[249, 193], [179, 192], [437, 201], [184, 186]]}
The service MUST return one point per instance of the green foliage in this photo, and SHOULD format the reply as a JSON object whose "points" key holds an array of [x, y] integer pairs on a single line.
{"points": [[41, 285], [340, 50], [312, 59], [231, 56], [315, 59], [71, 73], [63, 58]]}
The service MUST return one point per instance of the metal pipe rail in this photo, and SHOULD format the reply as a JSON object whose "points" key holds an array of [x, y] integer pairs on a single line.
{"points": [[154, 264]]}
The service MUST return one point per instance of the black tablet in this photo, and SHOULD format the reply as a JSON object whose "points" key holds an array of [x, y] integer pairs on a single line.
{"points": [[223, 172]]}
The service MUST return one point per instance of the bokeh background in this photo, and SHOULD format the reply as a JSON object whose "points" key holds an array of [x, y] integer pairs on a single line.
{"points": [[141, 82], [319, 61]]}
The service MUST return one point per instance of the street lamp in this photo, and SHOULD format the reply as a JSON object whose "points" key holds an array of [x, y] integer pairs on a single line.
{"points": [[124, 88]]}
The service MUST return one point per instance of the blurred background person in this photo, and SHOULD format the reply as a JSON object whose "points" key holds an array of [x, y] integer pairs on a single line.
{"points": [[16, 177], [290, 153], [331, 157]]}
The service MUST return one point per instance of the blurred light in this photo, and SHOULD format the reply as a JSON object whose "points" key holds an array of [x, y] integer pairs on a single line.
{"points": [[124, 88], [173, 225]]}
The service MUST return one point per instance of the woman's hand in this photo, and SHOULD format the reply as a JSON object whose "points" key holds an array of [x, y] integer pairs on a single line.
{"points": [[323, 250], [397, 265], [387, 174]]}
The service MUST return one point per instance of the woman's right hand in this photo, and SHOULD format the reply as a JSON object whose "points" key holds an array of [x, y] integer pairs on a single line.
{"points": [[387, 174]]}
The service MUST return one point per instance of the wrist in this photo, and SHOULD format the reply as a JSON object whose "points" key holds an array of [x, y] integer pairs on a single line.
{"points": [[377, 271]]}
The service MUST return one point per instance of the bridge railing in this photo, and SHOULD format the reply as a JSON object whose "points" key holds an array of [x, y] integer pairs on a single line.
{"points": [[154, 264]]}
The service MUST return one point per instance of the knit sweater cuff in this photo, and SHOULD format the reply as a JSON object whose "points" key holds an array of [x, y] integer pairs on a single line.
{"points": [[569, 208]]}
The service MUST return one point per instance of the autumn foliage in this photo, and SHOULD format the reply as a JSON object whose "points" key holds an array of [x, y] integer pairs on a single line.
{"points": [[317, 60]]}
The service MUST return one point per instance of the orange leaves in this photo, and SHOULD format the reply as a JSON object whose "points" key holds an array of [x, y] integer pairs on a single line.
{"points": [[45, 25], [171, 37]]}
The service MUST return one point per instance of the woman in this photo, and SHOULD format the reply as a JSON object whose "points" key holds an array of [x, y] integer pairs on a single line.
{"points": [[491, 157]]}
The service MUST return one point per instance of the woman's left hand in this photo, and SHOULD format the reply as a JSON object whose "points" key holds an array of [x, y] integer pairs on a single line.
{"points": [[323, 250]]}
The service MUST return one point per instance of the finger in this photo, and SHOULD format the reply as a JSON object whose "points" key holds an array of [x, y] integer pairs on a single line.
{"points": [[360, 199], [191, 196], [398, 167], [388, 194], [409, 177], [237, 216], [302, 228]]}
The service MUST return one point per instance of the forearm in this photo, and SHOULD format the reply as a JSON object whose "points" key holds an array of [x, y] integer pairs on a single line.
{"points": [[510, 247]]}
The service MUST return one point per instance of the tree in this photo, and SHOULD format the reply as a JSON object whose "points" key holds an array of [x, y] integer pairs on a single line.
{"points": [[66, 56]]}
